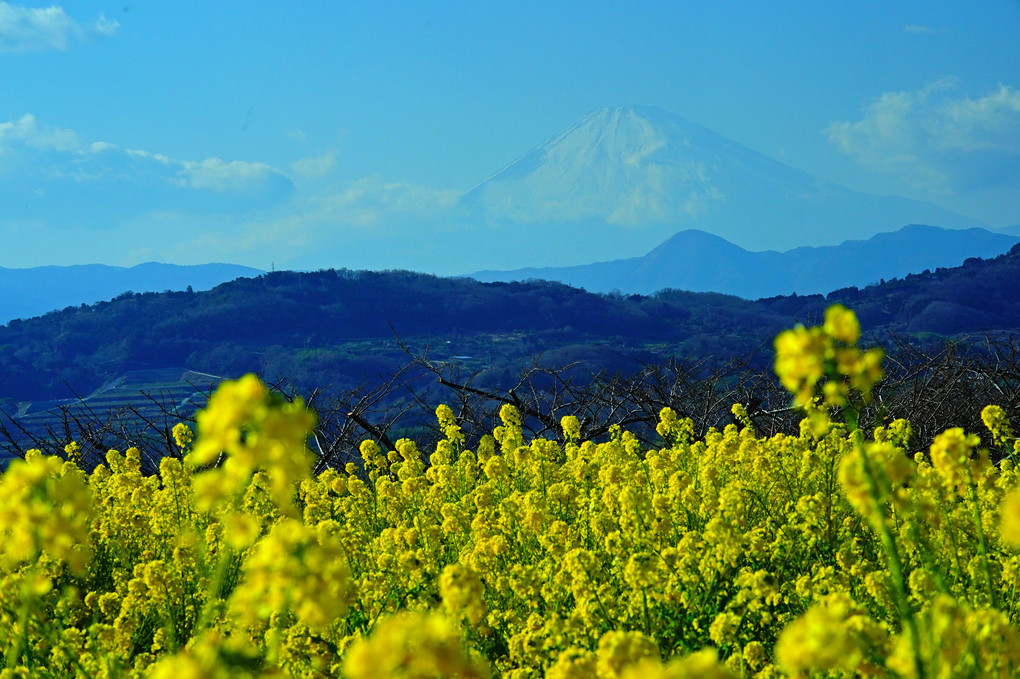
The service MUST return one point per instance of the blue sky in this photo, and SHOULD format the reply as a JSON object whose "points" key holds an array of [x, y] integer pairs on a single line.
{"points": [[294, 134]]}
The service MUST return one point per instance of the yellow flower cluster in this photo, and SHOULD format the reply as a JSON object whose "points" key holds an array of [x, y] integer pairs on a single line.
{"points": [[44, 508], [245, 429], [827, 354], [731, 555]]}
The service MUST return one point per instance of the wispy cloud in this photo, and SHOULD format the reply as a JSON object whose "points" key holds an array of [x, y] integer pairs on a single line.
{"points": [[915, 28], [34, 29], [51, 172], [372, 201], [29, 132], [236, 176], [937, 138], [57, 185], [316, 166]]}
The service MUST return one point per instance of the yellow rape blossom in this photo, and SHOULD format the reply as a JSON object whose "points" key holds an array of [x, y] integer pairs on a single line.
{"points": [[998, 424], [183, 436], [618, 649], [1010, 519], [294, 568], [243, 429], [804, 356], [525, 557], [841, 324], [951, 454], [701, 665], [45, 507], [573, 663], [461, 590], [835, 634], [413, 645]]}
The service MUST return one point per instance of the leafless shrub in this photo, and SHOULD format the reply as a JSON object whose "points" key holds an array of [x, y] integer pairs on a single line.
{"points": [[935, 388]]}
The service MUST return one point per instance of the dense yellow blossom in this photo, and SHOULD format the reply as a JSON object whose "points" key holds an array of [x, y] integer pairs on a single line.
{"points": [[728, 554]]}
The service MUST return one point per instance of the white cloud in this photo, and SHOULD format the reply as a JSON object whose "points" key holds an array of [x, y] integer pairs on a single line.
{"points": [[33, 29], [52, 173], [316, 166], [370, 201], [28, 131], [71, 188], [105, 27], [915, 28], [236, 176], [136, 153], [938, 139]]}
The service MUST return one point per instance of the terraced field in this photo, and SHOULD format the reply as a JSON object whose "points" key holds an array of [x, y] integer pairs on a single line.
{"points": [[141, 403]]}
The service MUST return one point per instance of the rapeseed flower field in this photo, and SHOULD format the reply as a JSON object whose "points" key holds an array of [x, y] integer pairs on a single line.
{"points": [[835, 553]]}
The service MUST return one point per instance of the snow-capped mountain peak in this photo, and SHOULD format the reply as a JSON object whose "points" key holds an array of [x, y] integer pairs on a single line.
{"points": [[641, 174]]}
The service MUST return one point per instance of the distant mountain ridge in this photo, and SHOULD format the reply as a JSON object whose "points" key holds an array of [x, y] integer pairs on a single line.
{"points": [[337, 327], [625, 179], [701, 262], [29, 292]]}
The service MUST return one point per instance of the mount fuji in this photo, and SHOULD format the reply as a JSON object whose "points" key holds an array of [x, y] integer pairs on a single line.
{"points": [[621, 181]]}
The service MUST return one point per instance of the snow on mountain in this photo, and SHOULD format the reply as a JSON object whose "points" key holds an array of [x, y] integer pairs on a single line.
{"points": [[622, 180]]}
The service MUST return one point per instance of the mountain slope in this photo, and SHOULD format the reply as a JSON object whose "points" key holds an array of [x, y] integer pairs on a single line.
{"points": [[625, 179], [337, 327], [698, 261], [30, 292]]}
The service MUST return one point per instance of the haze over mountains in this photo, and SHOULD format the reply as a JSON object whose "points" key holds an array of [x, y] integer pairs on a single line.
{"points": [[655, 200], [34, 291], [337, 327], [701, 262]]}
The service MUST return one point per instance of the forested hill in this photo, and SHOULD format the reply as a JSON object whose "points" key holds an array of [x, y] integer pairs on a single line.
{"points": [[337, 327]]}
